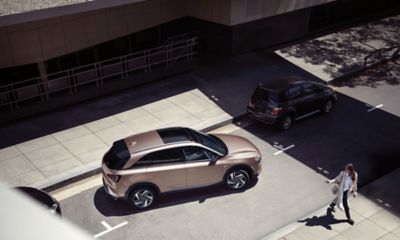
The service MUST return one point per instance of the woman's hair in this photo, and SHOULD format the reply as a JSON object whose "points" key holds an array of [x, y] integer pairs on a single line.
{"points": [[352, 172]]}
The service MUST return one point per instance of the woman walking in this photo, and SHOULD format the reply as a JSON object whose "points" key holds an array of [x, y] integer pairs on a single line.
{"points": [[346, 182]]}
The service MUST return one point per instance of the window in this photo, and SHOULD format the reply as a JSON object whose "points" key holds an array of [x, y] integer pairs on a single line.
{"points": [[142, 162], [309, 87], [293, 92], [173, 155], [261, 94], [170, 135], [198, 154], [117, 156], [210, 141]]}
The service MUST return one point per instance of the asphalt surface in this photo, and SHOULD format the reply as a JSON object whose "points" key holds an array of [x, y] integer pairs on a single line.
{"points": [[285, 191], [290, 187]]}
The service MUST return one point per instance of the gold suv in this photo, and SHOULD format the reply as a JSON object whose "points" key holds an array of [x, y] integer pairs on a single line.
{"points": [[140, 167]]}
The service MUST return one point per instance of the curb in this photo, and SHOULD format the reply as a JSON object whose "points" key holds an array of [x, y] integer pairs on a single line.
{"points": [[358, 71], [291, 227], [85, 171]]}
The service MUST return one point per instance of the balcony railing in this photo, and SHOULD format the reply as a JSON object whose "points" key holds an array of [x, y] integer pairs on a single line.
{"points": [[180, 48]]}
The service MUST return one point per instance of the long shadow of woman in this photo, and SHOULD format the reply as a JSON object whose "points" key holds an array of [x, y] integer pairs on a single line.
{"points": [[324, 221]]}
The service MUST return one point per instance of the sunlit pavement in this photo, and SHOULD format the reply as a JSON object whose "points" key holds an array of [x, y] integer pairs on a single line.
{"points": [[288, 190], [285, 192], [363, 129], [61, 155], [375, 212]]}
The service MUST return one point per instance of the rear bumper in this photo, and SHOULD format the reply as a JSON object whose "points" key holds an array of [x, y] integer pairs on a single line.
{"points": [[109, 190], [262, 117]]}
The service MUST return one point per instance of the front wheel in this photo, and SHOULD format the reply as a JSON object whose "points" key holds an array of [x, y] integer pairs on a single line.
{"points": [[237, 179], [327, 106], [143, 197]]}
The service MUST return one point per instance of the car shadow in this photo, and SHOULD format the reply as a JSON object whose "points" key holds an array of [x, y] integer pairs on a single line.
{"points": [[351, 133], [110, 207], [324, 221]]}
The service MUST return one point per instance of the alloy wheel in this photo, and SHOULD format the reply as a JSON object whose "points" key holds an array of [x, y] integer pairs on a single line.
{"points": [[143, 198], [237, 179]]}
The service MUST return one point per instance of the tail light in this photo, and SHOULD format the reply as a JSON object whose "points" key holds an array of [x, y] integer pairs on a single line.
{"points": [[114, 178], [275, 111], [251, 103]]}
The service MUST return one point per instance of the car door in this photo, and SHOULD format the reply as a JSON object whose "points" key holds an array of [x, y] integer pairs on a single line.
{"points": [[202, 167], [167, 170], [297, 100], [314, 96]]}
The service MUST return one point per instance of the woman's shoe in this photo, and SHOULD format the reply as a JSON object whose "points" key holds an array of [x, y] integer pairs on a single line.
{"points": [[350, 221]]}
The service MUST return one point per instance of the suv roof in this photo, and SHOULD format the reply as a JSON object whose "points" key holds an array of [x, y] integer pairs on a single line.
{"points": [[156, 138], [279, 84]]}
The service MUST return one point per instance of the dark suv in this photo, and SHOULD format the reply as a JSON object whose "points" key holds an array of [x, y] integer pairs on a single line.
{"points": [[285, 100]]}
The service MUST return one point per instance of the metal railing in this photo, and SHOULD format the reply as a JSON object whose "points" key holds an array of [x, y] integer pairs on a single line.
{"points": [[180, 48]]}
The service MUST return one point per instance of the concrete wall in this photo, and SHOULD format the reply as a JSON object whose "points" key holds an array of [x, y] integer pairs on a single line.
{"points": [[218, 11], [41, 40], [243, 11], [45, 39]]}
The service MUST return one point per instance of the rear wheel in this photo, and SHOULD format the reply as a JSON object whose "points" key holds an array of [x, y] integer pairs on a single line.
{"points": [[237, 179], [285, 123], [143, 197]]}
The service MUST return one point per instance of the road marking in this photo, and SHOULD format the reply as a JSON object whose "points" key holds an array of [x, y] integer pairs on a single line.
{"points": [[106, 225], [282, 149], [374, 108], [109, 228]]}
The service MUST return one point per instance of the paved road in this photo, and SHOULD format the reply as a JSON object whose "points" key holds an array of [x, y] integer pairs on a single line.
{"points": [[290, 187], [286, 191]]}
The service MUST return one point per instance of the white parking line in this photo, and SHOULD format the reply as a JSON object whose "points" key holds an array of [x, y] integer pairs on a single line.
{"points": [[374, 108], [109, 228], [282, 149]]}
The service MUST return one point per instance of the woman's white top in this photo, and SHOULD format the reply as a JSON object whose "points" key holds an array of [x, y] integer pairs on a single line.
{"points": [[347, 182]]}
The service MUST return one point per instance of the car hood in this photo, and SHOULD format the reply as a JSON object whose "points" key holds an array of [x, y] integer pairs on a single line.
{"points": [[237, 144]]}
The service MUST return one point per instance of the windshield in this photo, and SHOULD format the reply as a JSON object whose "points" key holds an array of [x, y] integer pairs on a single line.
{"points": [[210, 141], [117, 156]]}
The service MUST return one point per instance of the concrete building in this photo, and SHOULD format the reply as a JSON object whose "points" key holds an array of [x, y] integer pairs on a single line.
{"points": [[57, 52]]}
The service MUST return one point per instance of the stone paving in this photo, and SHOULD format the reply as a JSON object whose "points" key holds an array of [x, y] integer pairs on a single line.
{"points": [[208, 96], [39, 160], [374, 211], [334, 55]]}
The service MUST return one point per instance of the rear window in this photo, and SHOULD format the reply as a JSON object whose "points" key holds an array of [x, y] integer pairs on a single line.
{"points": [[265, 95], [117, 156]]}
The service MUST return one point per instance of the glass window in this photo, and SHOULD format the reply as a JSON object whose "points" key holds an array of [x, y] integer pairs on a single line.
{"points": [[210, 141], [198, 154], [293, 92], [172, 155], [261, 94], [309, 87], [142, 162], [117, 156]]}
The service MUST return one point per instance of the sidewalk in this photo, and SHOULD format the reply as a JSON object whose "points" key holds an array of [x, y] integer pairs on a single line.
{"points": [[56, 146], [349, 51], [45, 150], [376, 213]]}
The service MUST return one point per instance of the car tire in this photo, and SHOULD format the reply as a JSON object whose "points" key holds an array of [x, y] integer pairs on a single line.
{"points": [[327, 108], [285, 123], [143, 197], [237, 179]]}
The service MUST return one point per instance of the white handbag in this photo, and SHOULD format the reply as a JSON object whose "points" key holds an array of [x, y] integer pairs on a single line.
{"points": [[335, 189]]}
